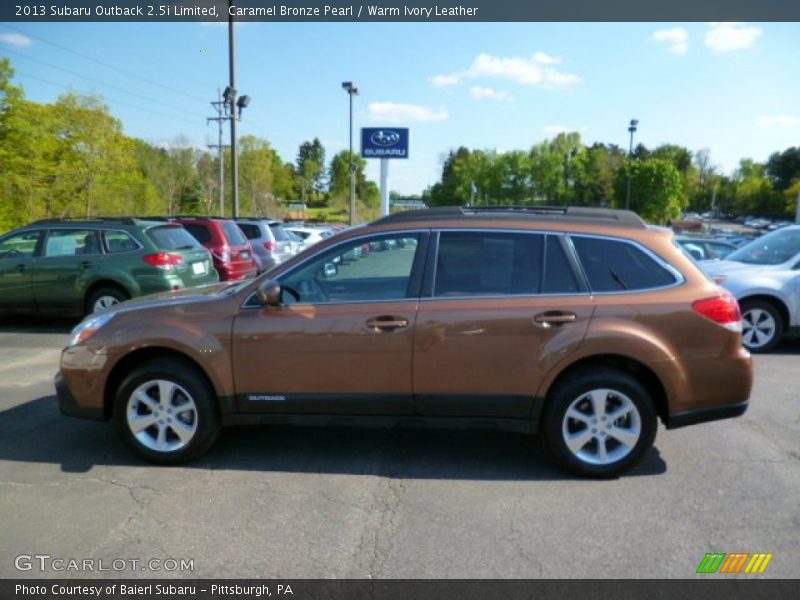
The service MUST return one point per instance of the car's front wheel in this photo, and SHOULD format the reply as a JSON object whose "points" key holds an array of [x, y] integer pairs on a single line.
{"points": [[166, 412], [599, 422], [762, 325]]}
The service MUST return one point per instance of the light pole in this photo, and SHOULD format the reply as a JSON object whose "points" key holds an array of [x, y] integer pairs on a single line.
{"points": [[351, 90], [632, 130]]}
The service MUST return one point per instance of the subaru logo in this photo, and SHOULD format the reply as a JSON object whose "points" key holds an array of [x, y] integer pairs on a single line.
{"points": [[385, 138]]}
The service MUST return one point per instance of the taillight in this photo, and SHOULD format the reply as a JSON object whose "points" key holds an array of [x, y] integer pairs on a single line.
{"points": [[722, 309], [270, 246], [163, 260], [224, 254]]}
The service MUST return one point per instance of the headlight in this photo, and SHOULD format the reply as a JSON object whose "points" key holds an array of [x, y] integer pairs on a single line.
{"points": [[88, 327]]}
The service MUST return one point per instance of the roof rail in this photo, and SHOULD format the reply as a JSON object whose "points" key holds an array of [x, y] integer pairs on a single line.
{"points": [[123, 220], [605, 216]]}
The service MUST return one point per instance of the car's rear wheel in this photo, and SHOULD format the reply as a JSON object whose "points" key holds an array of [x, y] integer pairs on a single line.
{"points": [[166, 412], [599, 422], [762, 325], [104, 298]]}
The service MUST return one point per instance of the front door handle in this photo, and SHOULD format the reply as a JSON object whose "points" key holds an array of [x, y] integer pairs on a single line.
{"points": [[386, 323], [21, 267], [553, 318], [85, 264]]}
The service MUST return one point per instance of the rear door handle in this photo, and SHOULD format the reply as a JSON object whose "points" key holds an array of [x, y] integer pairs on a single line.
{"points": [[553, 318], [386, 323], [21, 267], [85, 264]]}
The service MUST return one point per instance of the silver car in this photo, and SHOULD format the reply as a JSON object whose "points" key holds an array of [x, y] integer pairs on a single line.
{"points": [[764, 276], [270, 243]]}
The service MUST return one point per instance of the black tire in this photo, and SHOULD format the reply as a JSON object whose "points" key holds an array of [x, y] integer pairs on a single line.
{"points": [[116, 293], [623, 388], [205, 419], [755, 343]]}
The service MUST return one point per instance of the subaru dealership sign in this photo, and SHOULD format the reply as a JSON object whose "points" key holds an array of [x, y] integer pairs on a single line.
{"points": [[384, 142]]}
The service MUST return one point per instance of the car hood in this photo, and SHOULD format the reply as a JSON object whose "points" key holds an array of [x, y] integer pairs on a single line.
{"points": [[201, 293], [732, 268]]}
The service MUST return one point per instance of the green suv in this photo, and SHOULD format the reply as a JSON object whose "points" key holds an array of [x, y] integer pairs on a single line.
{"points": [[76, 267]]}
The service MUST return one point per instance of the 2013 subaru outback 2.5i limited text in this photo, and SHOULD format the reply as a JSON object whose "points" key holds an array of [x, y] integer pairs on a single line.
{"points": [[584, 325]]}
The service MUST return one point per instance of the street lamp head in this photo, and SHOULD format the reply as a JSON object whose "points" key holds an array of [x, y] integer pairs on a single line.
{"points": [[243, 102], [229, 94], [350, 88]]}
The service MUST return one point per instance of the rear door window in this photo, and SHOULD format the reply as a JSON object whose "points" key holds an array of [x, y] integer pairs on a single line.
{"points": [[72, 242], [171, 237], [483, 263], [559, 278], [618, 266]]}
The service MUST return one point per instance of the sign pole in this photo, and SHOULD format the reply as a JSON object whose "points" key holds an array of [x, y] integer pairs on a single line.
{"points": [[384, 187]]}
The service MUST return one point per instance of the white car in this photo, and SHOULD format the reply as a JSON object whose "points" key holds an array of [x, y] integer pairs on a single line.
{"points": [[308, 235], [764, 276]]}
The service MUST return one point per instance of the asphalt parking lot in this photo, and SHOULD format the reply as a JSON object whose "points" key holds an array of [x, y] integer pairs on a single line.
{"points": [[304, 503]]}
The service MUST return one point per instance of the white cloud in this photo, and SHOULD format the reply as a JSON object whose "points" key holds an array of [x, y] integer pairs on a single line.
{"points": [[677, 39], [16, 39], [443, 80], [778, 121], [480, 92], [392, 112], [727, 37], [537, 70]]}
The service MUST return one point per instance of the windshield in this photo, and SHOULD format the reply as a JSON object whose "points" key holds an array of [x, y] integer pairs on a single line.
{"points": [[772, 249]]}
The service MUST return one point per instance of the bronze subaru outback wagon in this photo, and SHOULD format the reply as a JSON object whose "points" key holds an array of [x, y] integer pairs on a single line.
{"points": [[585, 325]]}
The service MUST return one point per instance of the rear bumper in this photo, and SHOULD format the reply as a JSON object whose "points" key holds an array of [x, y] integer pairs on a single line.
{"points": [[236, 271], [703, 415], [70, 407]]}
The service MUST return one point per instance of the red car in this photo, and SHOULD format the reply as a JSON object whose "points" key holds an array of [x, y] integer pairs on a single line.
{"points": [[230, 250]]}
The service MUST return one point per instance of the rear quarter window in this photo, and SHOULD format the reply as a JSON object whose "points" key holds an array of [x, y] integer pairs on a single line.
{"points": [[171, 237], [252, 232], [618, 266], [278, 232], [234, 234], [199, 232]]}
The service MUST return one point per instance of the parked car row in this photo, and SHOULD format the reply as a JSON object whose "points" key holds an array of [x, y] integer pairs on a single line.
{"points": [[80, 266]]}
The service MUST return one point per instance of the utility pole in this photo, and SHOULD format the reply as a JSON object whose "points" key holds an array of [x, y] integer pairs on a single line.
{"points": [[220, 107], [351, 90], [632, 130], [232, 99]]}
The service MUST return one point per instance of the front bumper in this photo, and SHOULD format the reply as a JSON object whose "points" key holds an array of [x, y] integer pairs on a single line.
{"points": [[70, 407]]}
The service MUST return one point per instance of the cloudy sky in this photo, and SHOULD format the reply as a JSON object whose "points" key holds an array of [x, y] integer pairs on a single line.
{"points": [[733, 88]]}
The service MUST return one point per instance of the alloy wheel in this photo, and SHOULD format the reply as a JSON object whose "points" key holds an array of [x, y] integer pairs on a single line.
{"points": [[758, 328], [162, 416], [601, 426]]}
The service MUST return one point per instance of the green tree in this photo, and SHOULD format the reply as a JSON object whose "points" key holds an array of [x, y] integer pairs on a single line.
{"points": [[656, 189], [311, 168]]}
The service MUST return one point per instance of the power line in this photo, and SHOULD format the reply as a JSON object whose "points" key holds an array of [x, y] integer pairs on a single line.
{"points": [[105, 64], [98, 82], [116, 101]]}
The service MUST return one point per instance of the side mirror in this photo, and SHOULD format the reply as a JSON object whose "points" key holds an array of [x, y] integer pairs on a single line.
{"points": [[269, 292], [329, 270]]}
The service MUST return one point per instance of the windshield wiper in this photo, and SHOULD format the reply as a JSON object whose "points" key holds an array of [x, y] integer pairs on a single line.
{"points": [[617, 278]]}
